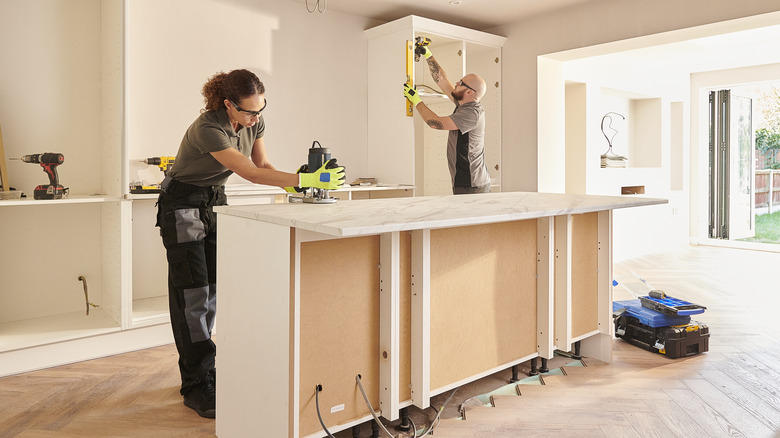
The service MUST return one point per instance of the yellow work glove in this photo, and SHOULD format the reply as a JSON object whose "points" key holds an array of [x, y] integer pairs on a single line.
{"points": [[304, 168], [330, 177], [421, 48], [411, 94], [424, 51]]}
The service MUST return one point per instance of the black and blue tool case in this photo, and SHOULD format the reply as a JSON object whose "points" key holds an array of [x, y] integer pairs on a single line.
{"points": [[671, 335], [660, 302]]}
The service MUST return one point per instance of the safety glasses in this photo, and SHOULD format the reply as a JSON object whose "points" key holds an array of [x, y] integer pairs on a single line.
{"points": [[252, 113]]}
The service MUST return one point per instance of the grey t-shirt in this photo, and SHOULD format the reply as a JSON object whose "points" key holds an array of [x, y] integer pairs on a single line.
{"points": [[466, 146], [211, 132]]}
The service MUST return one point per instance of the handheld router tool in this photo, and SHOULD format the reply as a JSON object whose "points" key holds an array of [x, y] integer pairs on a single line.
{"points": [[49, 161], [318, 156]]}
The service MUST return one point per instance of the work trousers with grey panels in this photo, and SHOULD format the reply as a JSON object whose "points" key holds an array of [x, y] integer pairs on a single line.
{"points": [[188, 226]]}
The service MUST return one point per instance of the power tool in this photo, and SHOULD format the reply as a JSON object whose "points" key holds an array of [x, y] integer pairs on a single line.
{"points": [[164, 163], [318, 156], [419, 43], [49, 161]]}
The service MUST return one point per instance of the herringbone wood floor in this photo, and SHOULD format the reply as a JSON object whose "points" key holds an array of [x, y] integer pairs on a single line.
{"points": [[731, 391]]}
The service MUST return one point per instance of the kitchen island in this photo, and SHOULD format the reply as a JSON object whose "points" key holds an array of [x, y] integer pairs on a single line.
{"points": [[415, 295]]}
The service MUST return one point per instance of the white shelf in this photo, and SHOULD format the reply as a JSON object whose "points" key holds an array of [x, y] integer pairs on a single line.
{"points": [[152, 310], [56, 328]]}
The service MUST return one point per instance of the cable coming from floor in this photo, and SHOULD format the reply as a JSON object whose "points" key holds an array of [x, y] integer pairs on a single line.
{"points": [[317, 390], [371, 408]]}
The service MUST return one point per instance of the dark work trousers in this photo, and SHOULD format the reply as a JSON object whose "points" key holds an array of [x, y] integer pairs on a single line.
{"points": [[470, 190], [188, 226]]}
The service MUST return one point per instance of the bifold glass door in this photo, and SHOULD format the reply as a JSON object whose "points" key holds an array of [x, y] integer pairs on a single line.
{"points": [[731, 169]]}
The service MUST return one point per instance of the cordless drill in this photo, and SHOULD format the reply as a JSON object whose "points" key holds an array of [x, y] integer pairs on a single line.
{"points": [[164, 163], [419, 47], [49, 161]]}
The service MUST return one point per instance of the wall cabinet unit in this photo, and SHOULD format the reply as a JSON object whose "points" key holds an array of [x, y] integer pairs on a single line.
{"points": [[74, 86], [416, 154], [79, 88]]}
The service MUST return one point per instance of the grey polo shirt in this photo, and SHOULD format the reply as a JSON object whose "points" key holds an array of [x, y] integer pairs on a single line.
{"points": [[211, 132], [466, 146]]}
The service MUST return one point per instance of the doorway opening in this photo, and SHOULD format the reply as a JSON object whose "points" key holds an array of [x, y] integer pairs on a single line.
{"points": [[744, 163]]}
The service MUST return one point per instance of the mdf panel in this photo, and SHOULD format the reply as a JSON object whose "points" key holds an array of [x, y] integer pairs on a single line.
{"points": [[584, 273], [381, 194], [405, 351], [339, 329], [483, 298], [354, 195]]}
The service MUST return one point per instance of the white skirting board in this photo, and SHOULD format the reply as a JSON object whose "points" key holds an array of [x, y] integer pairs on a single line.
{"points": [[78, 350]]}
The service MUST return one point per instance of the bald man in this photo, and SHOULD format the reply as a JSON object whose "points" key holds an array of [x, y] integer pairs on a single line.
{"points": [[466, 142]]}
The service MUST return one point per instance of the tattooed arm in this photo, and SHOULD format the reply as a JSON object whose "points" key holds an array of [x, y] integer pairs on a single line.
{"points": [[440, 77], [434, 121]]}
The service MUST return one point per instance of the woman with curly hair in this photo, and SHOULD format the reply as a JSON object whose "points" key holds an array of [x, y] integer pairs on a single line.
{"points": [[226, 138]]}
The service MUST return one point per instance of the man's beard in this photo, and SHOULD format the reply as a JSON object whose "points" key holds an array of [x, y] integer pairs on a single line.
{"points": [[458, 96]]}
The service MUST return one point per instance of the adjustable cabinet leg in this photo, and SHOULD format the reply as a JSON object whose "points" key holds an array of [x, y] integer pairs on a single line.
{"points": [[533, 371], [374, 430], [544, 368], [577, 354], [356, 431], [515, 374], [405, 424]]}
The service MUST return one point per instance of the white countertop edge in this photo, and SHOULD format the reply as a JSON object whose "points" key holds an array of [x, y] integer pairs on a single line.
{"points": [[342, 228], [260, 190]]}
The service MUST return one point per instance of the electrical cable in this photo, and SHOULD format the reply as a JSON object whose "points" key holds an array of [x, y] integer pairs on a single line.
{"points": [[317, 390], [317, 6], [414, 428], [436, 420], [370, 408], [434, 90]]}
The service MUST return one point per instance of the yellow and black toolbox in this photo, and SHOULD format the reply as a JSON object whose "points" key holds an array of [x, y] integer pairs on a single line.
{"points": [[672, 336]]}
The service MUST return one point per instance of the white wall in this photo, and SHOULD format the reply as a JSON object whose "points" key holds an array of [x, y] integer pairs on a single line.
{"points": [[50, 90], [642, 91], [313, 67], [580, 26], [535, 111]]}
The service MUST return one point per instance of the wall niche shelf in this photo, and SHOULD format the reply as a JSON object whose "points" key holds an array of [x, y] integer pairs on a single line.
{"points": [[639, 135]]}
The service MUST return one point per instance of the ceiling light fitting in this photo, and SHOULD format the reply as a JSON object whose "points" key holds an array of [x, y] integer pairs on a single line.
{"points": [[317, 6]]}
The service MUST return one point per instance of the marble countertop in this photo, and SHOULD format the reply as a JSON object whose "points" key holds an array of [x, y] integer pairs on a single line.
{"points": [[376, 216]]}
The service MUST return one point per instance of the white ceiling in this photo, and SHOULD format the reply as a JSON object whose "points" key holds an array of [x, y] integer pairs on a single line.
{"points": [[475, 14], [733, 49], [749, 47]]}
